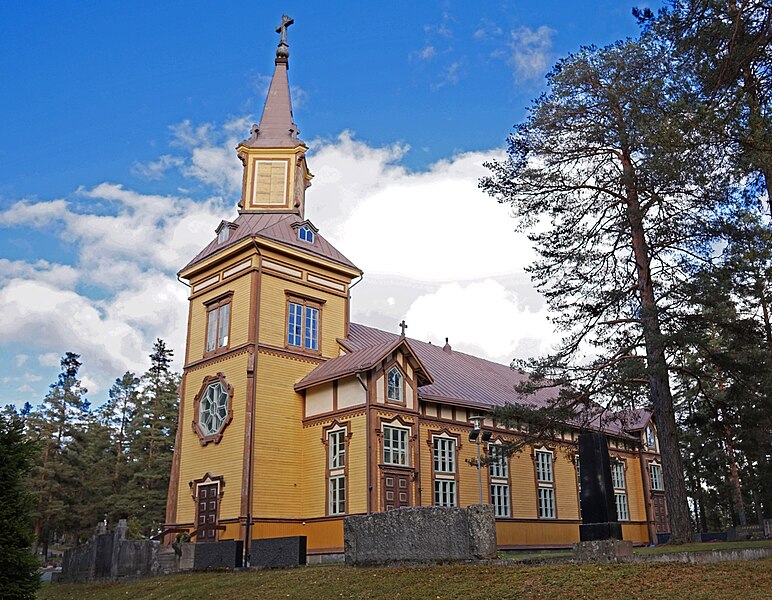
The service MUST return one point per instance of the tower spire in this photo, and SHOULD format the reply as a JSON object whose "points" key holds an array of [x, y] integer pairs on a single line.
{"points": [[275, 171], [277, 127]]}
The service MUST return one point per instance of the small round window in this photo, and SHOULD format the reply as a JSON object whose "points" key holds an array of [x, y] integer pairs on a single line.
{"points": [[214, 409]]}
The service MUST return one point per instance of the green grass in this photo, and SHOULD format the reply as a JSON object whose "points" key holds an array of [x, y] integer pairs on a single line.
{"points": [[747, 580], [703, 547]]}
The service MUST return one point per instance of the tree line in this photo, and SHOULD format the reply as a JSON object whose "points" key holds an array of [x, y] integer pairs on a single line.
{"points": [[642, 176], [91, 465]]}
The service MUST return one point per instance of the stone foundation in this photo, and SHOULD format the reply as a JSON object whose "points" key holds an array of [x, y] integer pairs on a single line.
{"points": [[603, 551], [426, 534]]}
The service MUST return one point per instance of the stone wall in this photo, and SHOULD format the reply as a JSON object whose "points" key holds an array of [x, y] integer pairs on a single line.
{"points": [[426, 534], [109, 555]]}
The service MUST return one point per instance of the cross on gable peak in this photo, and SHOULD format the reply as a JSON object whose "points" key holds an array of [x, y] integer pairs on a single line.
{"points": [[403, 325]]}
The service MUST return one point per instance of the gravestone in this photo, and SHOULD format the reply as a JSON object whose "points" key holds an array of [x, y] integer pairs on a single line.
{"points": [[599, 512], [273, 553]]}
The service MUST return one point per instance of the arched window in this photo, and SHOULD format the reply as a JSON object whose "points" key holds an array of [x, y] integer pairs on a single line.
{"points": [[306, 234], [394, 385]]}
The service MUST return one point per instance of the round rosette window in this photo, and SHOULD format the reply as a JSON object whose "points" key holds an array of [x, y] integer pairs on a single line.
{"points": [[213, 409]]}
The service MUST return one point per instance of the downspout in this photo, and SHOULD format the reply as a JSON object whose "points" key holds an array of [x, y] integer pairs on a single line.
{"points": [[369, 442]]}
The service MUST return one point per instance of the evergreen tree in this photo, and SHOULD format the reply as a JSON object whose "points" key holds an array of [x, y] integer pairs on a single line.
{"points": [[19, 577], [53, 423], [604, 177], [153, 429], [727, 47], [118, 414]]}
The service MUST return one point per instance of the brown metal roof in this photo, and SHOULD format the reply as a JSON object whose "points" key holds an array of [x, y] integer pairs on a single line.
{"points": [[460, 378], [277, 128], [355, 362], [276, 227]]}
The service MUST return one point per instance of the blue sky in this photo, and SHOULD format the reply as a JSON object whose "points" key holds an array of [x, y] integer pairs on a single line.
{"points": [[116, 162]]}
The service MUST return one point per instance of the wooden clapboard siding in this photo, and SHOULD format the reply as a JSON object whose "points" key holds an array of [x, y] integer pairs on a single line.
{"points": [[222, 459], [635, 532], [278, 430], [314, 498], [565, 484], [468, 488], [523, 490], [273, 306], [324, 534], [357, 465], [536, 533], [240, 286], [635, 496]]}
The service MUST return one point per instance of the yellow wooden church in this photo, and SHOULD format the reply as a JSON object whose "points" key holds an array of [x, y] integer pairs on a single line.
{"points": [[292, 417]]}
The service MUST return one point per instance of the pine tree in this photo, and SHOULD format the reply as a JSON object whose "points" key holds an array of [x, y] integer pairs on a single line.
{"points": [[19, 577], [153, 429], [615, 197], [53, 423], [118, 414]]}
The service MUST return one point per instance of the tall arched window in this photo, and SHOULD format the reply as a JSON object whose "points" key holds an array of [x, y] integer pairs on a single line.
{"points": [[394, 385]]}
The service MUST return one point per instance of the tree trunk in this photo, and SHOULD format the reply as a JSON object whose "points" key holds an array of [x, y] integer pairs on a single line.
{"points": [[659, 383], [734, 476]]}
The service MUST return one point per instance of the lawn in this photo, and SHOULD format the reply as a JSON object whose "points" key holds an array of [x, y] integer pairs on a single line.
{"points": [[747, 580]]}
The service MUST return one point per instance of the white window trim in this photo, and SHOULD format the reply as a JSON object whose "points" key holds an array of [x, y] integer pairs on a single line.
{"points": [[332, 447], [447, 456], [660, 481], [445, 493], [545, 483], [336, 503], [501, 511], [406, 450], [399, 387], [500, 468]]}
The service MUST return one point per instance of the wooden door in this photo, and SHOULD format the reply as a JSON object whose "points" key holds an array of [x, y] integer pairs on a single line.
{"points": [[661, 522], [208, 499], [396, 490]]}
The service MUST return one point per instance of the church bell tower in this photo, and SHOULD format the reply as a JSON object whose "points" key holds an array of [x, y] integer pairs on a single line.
{"points": [[274, 157]]}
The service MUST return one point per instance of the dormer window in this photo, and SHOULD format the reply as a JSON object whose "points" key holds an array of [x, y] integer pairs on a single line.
{"points": [[306, 234], [223, 231]]}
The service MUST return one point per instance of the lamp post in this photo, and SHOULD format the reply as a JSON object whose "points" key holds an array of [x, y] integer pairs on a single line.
{"points": [[476, 437]]}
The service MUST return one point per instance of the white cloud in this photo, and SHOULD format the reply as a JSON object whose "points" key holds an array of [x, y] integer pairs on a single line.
{"points": [[156, 169], [482, 318], [430, 243], [530, 52], [21, 359], [434, 225], [487, 29]]}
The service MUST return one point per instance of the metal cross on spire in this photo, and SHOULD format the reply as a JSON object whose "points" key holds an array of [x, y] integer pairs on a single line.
{"points": [[282, 29], [403, 325]]}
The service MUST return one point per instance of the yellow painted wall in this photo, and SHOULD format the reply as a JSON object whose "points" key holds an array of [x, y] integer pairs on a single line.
{"points": [[240, 286], [314, 498], [273, 307], [278, 434], [224, 459], [566, 492], [523, 486], [322, 535], [536, 533]]}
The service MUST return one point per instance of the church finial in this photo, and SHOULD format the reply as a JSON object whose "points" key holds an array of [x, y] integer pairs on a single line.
{"points": [[403, 325], [282, 51]]}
